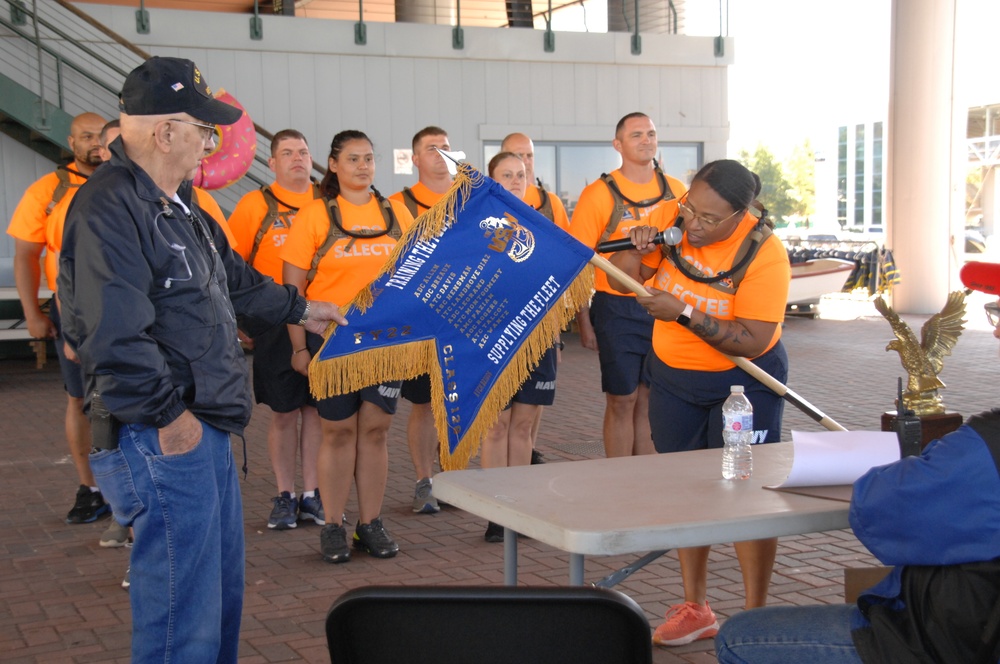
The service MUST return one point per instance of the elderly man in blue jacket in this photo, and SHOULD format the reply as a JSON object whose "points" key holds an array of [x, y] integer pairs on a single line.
{"points": [[150, 290], [936, 517]]}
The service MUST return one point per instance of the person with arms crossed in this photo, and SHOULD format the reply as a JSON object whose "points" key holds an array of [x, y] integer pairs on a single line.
{"points": [[150, 293], [433, 182], [732, 303], [615, 325], [336, 247], [936, 518], [31, 229], [261, 221]]}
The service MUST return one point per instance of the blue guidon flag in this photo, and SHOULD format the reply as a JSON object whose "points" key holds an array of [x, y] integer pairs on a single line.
{"points": [[474, 294]]}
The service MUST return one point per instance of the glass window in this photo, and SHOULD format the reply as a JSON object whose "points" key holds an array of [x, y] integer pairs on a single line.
{"points": [[842, 177], [877, 174], [859, 175]]}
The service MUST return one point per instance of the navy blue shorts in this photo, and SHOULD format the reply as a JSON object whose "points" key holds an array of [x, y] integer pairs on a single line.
{"points": [[417, 390], [624, 338], [540, 388], [685, 407], [275, 382], [342, 406], [72, 372]]}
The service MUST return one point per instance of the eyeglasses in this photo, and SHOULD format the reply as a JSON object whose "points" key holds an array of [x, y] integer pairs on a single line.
{"points": [[207, 130], [691, 215], [992, 313]]}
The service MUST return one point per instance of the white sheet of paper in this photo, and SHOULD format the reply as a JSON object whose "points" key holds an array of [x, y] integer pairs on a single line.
{"points": [[402, 161], [838, 457]]}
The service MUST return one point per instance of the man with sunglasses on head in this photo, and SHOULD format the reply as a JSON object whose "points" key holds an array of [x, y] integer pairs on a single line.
{"points": [[150, 292], [615, 325], [936, 518]]}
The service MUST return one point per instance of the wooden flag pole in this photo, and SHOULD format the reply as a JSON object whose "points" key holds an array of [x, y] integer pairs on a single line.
{"points": [[767, 379]]}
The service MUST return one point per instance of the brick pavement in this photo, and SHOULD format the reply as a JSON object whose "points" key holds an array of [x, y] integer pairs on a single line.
{"points": [[60, 599]]}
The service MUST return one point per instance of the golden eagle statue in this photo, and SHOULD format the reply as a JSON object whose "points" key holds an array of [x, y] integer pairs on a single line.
{"points": [[923, 361]]}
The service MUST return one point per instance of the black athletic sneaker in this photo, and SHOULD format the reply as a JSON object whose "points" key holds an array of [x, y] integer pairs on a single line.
{"points": [[536, 458], [88, 507], [333, 544], [373, 538], [494, 532], [284, 513]]}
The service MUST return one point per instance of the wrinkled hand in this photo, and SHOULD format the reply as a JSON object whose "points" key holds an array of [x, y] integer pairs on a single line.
{"points": [[181, 435], [661, 304], [41, 327], [321, 314]]}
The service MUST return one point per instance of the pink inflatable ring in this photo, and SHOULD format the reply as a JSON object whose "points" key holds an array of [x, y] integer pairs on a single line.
{"points": [[235, 146]]}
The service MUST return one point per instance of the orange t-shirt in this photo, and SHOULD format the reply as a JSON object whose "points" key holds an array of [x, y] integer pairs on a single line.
{"points": [[212, 209], [593, 211], [533, 197], [351, 263], [762, 295], [424, 196], [249, 214], [31, 224]]}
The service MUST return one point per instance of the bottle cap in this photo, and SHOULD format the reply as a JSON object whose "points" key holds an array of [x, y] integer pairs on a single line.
{"points": [[736, 389]]}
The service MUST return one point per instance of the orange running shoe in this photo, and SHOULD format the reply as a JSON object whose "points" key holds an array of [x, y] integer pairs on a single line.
{"points": [[685, 623]]}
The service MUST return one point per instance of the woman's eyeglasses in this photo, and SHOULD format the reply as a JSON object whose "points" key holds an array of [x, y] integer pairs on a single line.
{"points": [[691, 215]]}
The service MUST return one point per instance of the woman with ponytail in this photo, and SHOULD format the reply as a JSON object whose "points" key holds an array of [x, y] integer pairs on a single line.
{"points": [[335, 248], [721, 291]]}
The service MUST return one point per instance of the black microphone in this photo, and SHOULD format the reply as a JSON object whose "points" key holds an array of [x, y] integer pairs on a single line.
{"points": [[670, 237]]}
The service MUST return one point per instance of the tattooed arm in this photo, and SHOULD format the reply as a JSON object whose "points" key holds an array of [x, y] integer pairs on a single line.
{"points": [[741, 337]]}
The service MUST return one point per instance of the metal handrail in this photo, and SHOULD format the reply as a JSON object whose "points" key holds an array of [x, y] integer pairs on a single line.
{"points": [[121, 41], [58, 58], [257, 176]]}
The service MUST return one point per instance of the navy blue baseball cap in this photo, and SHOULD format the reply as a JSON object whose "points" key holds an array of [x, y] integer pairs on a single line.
{"points": [[161, 86]]}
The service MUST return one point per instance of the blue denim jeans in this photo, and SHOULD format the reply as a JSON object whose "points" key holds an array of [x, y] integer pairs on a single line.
{"points": [[782, 634], [188, 558]]}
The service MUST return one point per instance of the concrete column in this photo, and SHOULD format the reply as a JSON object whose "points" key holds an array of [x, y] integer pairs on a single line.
{"points": [[920, 155]]}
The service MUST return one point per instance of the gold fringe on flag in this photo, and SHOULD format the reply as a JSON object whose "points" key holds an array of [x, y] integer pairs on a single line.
{"points": [[342, 375], [541, 339]]}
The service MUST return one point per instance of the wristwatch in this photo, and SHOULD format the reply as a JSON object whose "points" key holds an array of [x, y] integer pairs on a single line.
{"points": [[305, 315], [685, 317]]}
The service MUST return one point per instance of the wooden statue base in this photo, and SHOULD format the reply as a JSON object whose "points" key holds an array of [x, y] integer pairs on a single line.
{"points": [[931, 426]]}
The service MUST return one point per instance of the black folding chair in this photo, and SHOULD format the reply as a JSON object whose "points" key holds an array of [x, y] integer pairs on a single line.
{"points": [[487, 625]]}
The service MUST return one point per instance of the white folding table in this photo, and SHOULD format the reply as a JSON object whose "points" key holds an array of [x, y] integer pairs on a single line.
{"points": [[604, 507]]}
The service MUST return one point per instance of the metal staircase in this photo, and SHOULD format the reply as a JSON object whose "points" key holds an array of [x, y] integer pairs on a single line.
{"points": [[53, 51], [23, 118]]}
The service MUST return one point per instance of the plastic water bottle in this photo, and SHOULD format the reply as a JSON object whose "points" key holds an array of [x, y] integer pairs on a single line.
{"points": [[737, 433]]}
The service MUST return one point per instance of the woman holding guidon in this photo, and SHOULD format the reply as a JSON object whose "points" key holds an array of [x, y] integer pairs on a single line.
{"points": [[721, 291]]}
